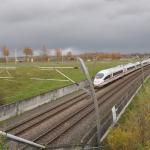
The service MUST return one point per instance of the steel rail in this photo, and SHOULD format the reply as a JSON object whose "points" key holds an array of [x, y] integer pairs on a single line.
{"points": [[44, 112], [38, 120]]}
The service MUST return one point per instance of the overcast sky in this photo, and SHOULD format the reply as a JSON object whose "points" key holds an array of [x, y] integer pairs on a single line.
{"points": [[98, 25]]}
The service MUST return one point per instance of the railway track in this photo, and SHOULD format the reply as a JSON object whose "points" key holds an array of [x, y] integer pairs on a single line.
{"points": [[40, 117], [55, 131], [71, 120], [91, 108]]}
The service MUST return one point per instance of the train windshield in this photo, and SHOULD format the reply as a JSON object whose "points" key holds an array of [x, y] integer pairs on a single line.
{"points": [[99, 76]]}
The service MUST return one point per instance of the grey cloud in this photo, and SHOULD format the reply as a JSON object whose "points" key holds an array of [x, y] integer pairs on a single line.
{"points": [[112, 25]]}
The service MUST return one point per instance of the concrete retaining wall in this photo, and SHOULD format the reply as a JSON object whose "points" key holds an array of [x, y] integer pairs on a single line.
{"points": [[13, 109]]}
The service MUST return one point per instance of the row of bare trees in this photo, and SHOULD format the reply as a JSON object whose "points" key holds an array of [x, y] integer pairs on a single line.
{"points": [[100, 56], [45, 55], [29, 53], [5, 52], [59, 57]]}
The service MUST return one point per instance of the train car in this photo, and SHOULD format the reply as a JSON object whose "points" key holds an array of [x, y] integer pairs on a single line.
{"points": [[145, 62], [129, 67], [105, 76], [137, 65]]}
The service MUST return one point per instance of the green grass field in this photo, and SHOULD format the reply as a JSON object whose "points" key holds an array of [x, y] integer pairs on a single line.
{"points": [[22, 87]]}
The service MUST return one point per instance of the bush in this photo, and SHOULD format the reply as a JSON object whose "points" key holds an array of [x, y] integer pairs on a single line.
{"points": [[3, 144], [133, 131]]}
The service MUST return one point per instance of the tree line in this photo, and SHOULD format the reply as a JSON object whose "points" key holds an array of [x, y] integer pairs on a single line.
{"points": [[44, 56], [59, 57], [101, 56]]}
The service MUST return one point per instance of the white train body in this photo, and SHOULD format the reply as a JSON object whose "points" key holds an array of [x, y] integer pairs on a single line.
{"points": [[145, 62], [105, 76]]}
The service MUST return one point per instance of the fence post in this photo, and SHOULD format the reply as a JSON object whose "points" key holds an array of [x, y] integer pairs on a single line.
{"points": [[114, 115]]}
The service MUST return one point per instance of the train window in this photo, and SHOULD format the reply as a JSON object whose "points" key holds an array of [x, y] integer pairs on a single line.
{"points": [[130, 68], [107, 77], [145, 63], [118, 72], [99, 75]]}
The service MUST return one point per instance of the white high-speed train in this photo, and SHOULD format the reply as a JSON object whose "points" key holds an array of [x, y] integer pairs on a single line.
{"points": [[105, 76]]}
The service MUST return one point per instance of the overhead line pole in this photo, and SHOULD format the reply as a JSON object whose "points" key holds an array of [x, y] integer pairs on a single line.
{"points": [[93, 95], [142, 70]]}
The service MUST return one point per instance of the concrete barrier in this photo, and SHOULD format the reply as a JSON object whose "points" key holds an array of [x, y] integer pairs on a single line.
{"points": [[13, 109]]}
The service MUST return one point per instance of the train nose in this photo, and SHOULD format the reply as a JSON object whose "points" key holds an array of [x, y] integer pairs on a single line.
{"points": [[98, 82]]}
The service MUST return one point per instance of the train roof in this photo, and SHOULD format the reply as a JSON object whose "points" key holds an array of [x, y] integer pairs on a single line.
{"points": [[129, 65], [121, 67], [111, 70], [147, 60], [115, 69], [137, 63]]}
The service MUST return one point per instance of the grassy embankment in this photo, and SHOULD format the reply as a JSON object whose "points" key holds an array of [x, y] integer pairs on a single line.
{"points": [[133, 130], [22, 87]]}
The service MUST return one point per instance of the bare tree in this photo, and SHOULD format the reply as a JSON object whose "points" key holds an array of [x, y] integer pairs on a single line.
{"points": [[5, 53], [58, 52], [45, 55], [69, 55], [28, 52], [100, 56]]}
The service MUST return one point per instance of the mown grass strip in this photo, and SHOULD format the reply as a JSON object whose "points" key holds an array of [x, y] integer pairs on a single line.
{"points": [[22, 87]]}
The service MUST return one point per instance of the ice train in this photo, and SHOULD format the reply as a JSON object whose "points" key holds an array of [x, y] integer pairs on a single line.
{"points": [[106, 76]]}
